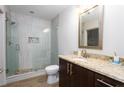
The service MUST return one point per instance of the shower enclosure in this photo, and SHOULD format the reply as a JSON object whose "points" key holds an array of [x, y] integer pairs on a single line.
{"points": [[28, 44], [12, 61]]}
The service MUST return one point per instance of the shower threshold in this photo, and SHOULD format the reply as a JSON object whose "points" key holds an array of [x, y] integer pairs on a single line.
{"points": [[26, 75]]}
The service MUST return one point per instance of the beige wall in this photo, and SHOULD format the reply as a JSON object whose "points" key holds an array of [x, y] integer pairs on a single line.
{"points": [[113, 34]]}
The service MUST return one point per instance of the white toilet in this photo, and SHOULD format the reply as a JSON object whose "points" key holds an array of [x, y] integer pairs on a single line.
{"points": [[52, 72]]}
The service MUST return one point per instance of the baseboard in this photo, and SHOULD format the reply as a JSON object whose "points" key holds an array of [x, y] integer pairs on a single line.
{"points": [[19, 77]]}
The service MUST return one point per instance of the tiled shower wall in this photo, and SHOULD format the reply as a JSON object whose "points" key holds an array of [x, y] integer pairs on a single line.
{"points": [[54, 40]]}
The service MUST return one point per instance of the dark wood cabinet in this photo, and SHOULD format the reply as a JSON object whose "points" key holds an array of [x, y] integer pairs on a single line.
{"points": [[82, 77], [103, 81], [72, 75], [64, 78]]}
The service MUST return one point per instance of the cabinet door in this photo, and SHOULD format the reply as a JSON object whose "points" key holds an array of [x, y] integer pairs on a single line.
{"points": [[64, 78], [82, 77], [76, 78], [72, 75], [91, 78], [103, 81]]}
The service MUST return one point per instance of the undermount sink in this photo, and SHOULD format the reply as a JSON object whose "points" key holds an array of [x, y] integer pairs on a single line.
{"points": [[80, 59]]}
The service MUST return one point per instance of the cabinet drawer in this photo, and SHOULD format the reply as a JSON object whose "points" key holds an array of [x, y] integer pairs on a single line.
{"points": [[103, 81]]}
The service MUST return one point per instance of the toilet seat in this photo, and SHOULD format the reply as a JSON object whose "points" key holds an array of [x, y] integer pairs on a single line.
{"points": [[52, 67]]}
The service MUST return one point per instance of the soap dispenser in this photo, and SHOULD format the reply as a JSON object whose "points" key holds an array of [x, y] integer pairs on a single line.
{"points": [[116, 59]]}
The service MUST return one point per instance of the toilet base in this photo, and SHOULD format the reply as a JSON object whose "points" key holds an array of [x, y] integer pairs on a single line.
{"points": [[52, 79]]}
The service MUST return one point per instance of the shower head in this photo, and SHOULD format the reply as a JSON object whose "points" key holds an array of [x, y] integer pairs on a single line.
{"points": [[12, 23]]}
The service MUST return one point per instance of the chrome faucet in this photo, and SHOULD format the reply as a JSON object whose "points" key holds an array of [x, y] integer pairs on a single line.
{"points": [[84, 53]]}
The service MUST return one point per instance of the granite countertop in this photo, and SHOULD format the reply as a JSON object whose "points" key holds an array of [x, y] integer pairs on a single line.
{"points": [[104, 67]]}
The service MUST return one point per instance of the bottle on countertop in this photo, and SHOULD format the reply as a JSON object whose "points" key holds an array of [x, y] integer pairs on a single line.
{"points": [[116, 59]]}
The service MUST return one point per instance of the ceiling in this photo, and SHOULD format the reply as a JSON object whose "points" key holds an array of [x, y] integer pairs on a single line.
{"points": [[47, 12]]}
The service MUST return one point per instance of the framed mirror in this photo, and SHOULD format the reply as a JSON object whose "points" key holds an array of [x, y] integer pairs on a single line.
{"points": [[91, 28]]}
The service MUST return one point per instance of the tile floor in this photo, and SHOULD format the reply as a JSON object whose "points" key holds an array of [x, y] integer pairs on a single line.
{"points": [[40, 81]]}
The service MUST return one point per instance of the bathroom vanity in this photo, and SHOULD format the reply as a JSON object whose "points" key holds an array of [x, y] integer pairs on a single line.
{"points": [[74, 73]]}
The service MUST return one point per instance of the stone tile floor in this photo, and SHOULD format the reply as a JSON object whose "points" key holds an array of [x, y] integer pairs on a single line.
{"points": [[40, 81]]}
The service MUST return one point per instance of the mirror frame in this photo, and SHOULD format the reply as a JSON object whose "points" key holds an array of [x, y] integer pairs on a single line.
{"points": [[101, 18]]}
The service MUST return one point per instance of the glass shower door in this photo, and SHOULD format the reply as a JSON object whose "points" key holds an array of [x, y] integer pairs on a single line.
{"points": [[12, 60], [41, 51]]}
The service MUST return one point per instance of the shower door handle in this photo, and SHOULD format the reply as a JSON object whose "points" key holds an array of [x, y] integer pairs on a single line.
{"points": [[1, 71], [17, 47]]}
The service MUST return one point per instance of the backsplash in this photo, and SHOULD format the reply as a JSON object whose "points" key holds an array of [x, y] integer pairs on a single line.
{"points": [[99, 56]]}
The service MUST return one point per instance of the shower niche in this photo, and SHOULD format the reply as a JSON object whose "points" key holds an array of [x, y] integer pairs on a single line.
{"points": [[33, 40]]}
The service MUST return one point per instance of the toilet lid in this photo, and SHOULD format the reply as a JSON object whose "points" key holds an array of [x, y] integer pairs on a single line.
{"points": [[52, 67]]}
